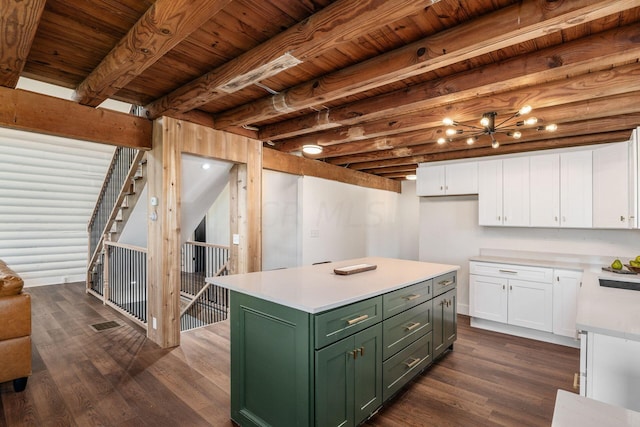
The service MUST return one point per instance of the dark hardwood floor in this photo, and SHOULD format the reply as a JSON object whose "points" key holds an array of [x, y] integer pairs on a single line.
{"points": [[117, 377]]}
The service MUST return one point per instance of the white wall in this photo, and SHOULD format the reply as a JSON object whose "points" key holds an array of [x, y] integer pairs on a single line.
{"points": [[218, 219], [449, 233], [308, 220], [48, 189]]}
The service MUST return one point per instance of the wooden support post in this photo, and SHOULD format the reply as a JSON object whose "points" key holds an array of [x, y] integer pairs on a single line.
{"points": [[163, 262]]}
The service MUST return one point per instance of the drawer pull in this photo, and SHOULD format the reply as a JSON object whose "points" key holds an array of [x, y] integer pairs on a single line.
{"points": [[357, 319], [412, 297], [446, 283], [361, 351], [508, 271], [353, 353], [413, 363], [576, 381], [412, 326]]}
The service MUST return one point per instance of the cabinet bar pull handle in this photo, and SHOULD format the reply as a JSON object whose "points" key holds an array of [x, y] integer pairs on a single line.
{"points": [[621, 218], [576, 380], [358, 319], [412, 326], [446, 283], [508, 271], [353, 353], [412, 297], [413, 363], [361, 351]]}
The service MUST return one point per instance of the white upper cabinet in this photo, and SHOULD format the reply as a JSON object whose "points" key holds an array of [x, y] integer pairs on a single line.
{"points": [[515, 192], [561, 190], [576, 189], [612, 204], [503, 186], [447, 180], [544, 188], [490, 192]]}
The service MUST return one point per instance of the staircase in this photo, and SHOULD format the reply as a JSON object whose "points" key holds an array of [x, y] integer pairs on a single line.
{"points": [[126, 177]]}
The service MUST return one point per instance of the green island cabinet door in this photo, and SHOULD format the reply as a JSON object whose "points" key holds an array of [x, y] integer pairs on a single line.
{"points": [[349, 379], [444, 321], [271, 360]]}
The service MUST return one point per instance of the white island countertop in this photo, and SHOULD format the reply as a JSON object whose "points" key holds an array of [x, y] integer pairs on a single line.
{"points": [[316, 288]]}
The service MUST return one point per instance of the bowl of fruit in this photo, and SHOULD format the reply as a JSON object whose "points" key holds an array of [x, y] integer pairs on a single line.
{"points": [[634, 264]]}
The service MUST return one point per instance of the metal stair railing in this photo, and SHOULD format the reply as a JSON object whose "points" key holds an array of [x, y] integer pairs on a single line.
{"points": [[124, 165]]}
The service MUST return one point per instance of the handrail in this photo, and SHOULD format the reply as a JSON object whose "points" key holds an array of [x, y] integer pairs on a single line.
{"points": [[207, 245], [126, 246], [201, 291]]}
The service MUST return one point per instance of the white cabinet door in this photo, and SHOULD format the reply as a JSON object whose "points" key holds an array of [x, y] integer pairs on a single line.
{"points": [[576, 189], [566, 285], [531, 305], [613, 371], [490, 192], [515, 192], [430, 181], [461, 178], [611, 186], [544, 187], [488, 298]]}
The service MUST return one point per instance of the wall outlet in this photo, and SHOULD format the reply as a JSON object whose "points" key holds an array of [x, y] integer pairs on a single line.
{"points": [[236, 239], [154, 323], [314, 233]]}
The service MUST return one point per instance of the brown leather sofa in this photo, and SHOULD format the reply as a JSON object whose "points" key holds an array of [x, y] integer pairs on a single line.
{"points": [[15, 329]]}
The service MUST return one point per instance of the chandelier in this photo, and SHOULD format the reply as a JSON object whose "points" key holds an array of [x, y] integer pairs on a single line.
{"points": [[489, 127]]}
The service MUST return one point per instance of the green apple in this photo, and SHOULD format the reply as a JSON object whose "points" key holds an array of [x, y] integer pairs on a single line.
{"points": [[616, 265], [638, 258]]}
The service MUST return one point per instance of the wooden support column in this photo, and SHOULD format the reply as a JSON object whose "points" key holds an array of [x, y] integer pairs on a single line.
{"points": [[163, 260]]}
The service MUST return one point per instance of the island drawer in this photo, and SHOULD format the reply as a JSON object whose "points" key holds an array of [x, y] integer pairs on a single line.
{"points": [[511, 271], [442, 284], [406, 327], [401, 368], [341, 322], [402, 299]]}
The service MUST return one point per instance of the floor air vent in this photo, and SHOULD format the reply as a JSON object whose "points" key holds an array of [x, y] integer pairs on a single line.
{"points": [[104, 325]]}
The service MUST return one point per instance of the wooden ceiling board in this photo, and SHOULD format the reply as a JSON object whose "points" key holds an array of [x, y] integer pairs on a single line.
{"points": [[382, 137]]}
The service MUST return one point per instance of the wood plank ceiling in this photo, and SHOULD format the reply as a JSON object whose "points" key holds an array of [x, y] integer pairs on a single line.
{"points": [[369, 80]]}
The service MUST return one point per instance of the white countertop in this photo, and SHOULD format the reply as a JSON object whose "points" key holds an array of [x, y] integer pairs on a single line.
{"points": [[604, 310], [316, 288], [573, 410]]}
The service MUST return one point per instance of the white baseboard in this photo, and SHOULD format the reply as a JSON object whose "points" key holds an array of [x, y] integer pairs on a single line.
{"points": [[524, 332], [463, 309]]}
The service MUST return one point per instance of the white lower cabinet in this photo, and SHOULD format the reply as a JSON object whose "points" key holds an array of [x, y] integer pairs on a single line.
{"points": [[566, 285], [500, 295], [539, 298], [609, 369]]}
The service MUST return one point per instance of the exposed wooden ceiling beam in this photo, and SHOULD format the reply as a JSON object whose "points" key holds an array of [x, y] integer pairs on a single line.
{"points": [[518, 23], [589, 127], [18, 24], [546, 144], [165, 24], [283, 162], [337, 22], [580, 88], [591, 109], [20, 109], [594, 53]]}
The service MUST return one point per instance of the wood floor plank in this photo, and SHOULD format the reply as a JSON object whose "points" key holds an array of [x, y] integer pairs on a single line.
{"points": [[117, 377]]}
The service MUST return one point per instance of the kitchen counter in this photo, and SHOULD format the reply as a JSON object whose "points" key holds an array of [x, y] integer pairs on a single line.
{"points": [[316, 288], [574, 410], [601, 309]]}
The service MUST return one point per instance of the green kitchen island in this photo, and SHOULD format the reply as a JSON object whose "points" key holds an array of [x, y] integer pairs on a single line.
{"points": [[310, 347]]}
